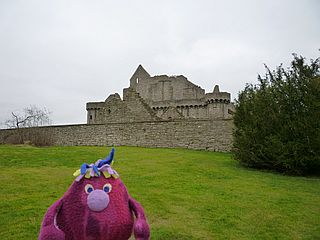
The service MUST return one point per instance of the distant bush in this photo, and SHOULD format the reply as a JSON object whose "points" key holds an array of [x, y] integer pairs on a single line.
{"points": [[277, 122]]}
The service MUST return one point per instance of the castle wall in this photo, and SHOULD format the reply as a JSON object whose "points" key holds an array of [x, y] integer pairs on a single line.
{"points": [[197, 112], [214, 110], [167, 88], [132, 108], [213, 135], [140, 110]]}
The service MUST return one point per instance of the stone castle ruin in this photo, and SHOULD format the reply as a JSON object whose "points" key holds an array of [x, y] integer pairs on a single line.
{"points": [[156, 111], [158, 98]]}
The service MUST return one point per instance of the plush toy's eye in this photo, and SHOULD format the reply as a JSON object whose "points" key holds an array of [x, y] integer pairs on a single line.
{"points": [[107, 187], [88, 188]]}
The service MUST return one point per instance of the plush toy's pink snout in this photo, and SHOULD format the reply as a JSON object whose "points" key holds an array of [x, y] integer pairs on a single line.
{"points": [[98, 200]]}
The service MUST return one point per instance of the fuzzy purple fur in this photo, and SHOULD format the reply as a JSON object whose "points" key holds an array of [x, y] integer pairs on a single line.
{"points": [[88, 215]]}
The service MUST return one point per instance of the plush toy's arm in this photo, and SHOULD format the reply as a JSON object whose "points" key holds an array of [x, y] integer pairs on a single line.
{"points": [[141, 228], [49, 228]]}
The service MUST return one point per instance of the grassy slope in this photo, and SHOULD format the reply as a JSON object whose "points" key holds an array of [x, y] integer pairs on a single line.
{"points": [[186, 194]]}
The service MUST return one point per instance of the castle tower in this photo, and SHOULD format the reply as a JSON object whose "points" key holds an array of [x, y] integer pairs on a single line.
{"points": [[216, 89], [139, 74]]}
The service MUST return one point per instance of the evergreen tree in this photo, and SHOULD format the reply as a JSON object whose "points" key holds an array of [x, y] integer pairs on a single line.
{"points": [[277, 121]]}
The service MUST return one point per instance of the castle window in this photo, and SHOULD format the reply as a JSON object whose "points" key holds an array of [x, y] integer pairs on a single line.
{"points": [[90, 117], [137, 80], [109, 111]]}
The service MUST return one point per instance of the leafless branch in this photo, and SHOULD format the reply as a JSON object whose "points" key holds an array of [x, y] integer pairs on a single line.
{"points": [[30, 117]]}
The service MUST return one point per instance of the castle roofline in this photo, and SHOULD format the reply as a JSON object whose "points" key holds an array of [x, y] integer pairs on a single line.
{"points": [[140, 72]]}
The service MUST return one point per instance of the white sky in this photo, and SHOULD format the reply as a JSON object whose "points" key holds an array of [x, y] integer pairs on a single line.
{"points": [[60, 54]]}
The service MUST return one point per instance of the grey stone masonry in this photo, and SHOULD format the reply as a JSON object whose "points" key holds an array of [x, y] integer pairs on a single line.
{"points": [[212, 135], [160, 98]]}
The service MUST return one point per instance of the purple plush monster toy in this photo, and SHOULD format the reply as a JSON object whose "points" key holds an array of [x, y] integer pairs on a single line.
{"points": [[96, 206]]}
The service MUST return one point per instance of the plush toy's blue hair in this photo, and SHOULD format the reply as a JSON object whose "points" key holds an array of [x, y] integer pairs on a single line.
{"points": [[108, 160]]}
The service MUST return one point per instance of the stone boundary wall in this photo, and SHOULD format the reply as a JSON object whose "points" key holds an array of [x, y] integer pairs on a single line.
{"points": [[212, 135]]}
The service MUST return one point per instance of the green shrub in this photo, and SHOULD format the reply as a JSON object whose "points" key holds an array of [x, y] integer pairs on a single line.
{"points": [[277, 121]]}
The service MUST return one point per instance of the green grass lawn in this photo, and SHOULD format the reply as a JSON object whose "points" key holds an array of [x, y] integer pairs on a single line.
{"points": [[186, 194]]}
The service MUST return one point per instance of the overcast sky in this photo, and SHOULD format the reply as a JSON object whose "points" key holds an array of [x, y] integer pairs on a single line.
{"points": [[60, 54]]}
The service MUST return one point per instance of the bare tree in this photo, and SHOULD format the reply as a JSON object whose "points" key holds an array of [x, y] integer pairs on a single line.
{"points": [[31, 116]]}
